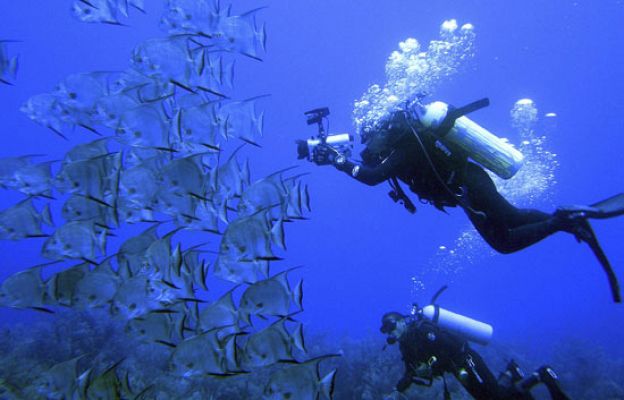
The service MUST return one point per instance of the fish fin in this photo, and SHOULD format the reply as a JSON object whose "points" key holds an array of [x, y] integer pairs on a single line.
{"points": [[46, 215], [168, 344], [277, 234], [298, 339], [298, 295], [327, 384]]}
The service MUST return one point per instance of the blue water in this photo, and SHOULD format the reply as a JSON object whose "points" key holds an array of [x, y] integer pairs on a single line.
{"points": [[359, 250]]}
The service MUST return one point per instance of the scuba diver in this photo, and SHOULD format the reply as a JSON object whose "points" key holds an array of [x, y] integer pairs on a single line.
{"points": [[441, 155], [434, 341]]}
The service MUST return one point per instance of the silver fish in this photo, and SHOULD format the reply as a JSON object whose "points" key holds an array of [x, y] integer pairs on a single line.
{"points": [[300, 381], [151, 327], [231, 268], [196, 127], [23, 221], [230, 178], [165, 59], [204, 354], [143, 126], [78, 239], [23, 289], [240, 120], [81, 208], [219, 314], [267, 193], [272, 344], [141, 294], [271, 296], [97, 288], [95, 177], [240, 34], [47, 110], [61, 287], [248, 238], [96, 11], [130, 256], [59, 382], [191, 16]]}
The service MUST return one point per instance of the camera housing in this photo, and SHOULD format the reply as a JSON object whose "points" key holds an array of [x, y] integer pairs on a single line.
{"points": [[341, 142]]}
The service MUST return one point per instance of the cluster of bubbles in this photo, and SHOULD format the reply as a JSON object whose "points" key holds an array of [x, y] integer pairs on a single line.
{"points": [[532, 184], [413, 72], [534, 180]]}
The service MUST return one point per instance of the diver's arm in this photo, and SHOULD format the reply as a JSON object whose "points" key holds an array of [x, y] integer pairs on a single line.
{"points": [[324, 154], [406, 380], [371, 175]]}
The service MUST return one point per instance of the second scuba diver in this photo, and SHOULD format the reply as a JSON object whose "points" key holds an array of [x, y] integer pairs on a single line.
{"points": [[432, 148], [434, 342]]}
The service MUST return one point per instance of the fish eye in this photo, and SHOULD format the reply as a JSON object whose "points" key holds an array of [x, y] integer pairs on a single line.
{"points": [[72, 95], [66, 246], [75, 184], [188, 131], [132, 190], [92, 297], [259, 305], [137, 134], [132, 306], [142, 331], [174, 182], [190, 365], [231, 40], [287, 395]]}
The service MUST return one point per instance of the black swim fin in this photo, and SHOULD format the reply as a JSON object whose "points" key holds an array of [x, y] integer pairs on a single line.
{"points": [[608, 208], [586, 234]]}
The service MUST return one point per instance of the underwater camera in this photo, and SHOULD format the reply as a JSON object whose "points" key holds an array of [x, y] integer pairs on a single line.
{"points": [[341, 142]]}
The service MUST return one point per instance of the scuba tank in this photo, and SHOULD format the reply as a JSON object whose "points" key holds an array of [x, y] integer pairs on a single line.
{"points": [[454, 130], [467, 328]]}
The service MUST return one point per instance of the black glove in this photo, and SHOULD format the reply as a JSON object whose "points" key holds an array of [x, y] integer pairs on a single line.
{"points": [[324, 154]]}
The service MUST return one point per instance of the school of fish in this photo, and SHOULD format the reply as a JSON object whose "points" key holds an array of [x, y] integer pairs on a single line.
{"points": [[164, 158]]}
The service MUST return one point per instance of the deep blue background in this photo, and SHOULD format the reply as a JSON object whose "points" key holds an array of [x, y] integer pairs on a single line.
{"points": [[359, 249]]}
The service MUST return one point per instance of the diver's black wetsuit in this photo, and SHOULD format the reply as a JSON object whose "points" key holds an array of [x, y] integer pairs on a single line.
{"points": [[429, 352], [448, 181]]}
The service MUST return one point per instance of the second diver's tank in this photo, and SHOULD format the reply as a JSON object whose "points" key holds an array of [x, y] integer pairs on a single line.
{"points": [[467, 328], [485, 148]]}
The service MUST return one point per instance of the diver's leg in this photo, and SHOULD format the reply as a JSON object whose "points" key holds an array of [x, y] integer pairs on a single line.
{"points": [[477, 379], [547, 376], [506, 228]]}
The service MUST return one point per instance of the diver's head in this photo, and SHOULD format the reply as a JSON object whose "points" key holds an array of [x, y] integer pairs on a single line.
{"points": [[394, 325]]}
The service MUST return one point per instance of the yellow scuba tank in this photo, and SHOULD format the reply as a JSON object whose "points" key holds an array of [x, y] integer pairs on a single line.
{"points": [[485, 148]]}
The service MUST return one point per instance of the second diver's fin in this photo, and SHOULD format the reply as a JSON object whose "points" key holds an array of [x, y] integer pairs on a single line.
{"points": [[588, 236], [608, 208]]}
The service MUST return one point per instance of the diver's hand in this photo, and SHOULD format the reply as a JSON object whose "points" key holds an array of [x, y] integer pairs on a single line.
{"points": [[324, 154]]}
